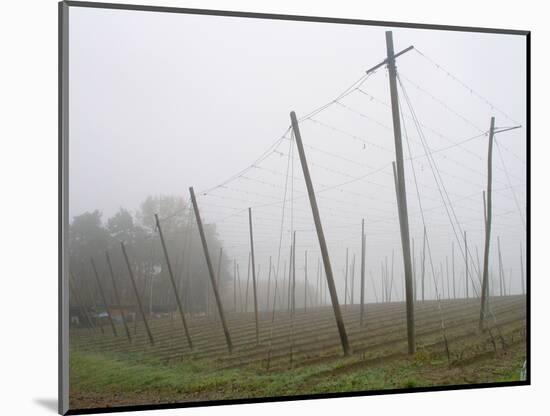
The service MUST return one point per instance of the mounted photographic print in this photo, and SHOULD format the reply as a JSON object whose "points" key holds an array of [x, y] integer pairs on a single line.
{"points": [[265, 207]]}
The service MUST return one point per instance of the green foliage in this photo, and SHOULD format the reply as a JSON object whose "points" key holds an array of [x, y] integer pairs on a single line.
{"points": [[90, 238]]}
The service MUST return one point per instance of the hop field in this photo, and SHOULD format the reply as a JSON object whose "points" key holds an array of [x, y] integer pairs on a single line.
{"points": [[298, 355]]}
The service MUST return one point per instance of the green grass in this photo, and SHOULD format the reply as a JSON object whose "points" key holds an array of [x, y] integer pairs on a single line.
{"points": [[123, 379]]}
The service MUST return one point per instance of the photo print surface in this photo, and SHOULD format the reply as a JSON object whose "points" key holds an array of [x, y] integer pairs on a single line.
{"points": [[273, 208]]}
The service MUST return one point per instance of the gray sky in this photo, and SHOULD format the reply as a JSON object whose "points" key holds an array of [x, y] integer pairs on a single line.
{"points": [[160, 102]]}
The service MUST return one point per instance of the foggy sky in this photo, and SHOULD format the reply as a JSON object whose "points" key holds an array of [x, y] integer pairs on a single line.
{"points": [[160, 102]]}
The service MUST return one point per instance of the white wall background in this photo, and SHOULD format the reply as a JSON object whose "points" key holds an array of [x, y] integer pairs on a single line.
{"points": [[28, 211]]}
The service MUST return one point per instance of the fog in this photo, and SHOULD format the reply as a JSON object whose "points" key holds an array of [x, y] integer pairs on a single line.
{"points": [[160, 102]]}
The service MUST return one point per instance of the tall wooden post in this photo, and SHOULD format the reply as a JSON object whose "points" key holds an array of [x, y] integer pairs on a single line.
{"points": [[305, 282], [268, 284], [210, 269], [293, 293], [402, 204], [352, 279], [240, 288], [501, 271], [219, 271], [289, 289], [117, 296], [321, 237], [346, 278], [318, 286], [442, 281], [453, 261], [466, 265], [247, 285], [234, 285], [414, 271], [362, 307], [423, 274], [140, 306], [391, 280], [447, 271], [488, 219], [173, 281], [104, 299], [253, 275]]}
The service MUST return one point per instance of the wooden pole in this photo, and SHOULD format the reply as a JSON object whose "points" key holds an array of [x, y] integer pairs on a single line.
{"points": [[240, 288], [293, 299], [373, 287], [383, 289], [499, 267], [133, 280], [447, 271], [173, 281], [247, 285], [268, 285], [321, 237], [234, 285], [352, 279], [414, 271], [402, 204], [103, 298], [289, 288], [510, 282], [211, 270], [346, 278], [362, 307], [501, 271], [317, 293], [254, 276], [305, 282], [466, 264], [391, 281], [423, 274], [117, 297], [442, 281], [488, 219], [219, 271], [453, 267]]}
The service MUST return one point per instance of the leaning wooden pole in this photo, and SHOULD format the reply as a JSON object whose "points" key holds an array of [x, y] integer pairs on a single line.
{"points": [[173, 281], [104, 299], [321, 237], [254, 276], [362, 307], [402, 205], [219, 271], [140, 306], [488, 216], [117, 296], [210, 269]]}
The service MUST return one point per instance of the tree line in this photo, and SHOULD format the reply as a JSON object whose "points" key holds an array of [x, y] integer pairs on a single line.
{"points": [[90, 237]]}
